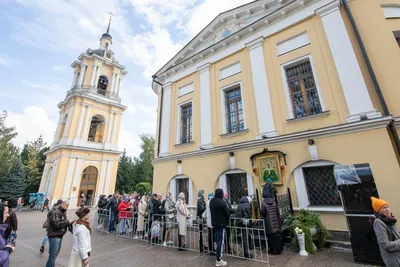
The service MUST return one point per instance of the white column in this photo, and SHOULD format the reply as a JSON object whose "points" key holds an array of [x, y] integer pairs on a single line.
{"points": [[353, 83], [222, 183], [108, 178], [44, 175], [205, 107], [190, 195], [86, 124], [265, 116], [68, 178], [112, 82], [119, 85], [250, 188], [81, 75], [67, 125], [93, 76], [58, 127], [112, 138], [172, 188], [80, 122], [96, 78], [165, 120], [49, 190], [76, 182], [100, 186], [75, 78], [114, 89]]}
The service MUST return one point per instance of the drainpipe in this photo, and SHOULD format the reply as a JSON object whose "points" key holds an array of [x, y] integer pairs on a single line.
{"points": [[391, 127], [161, 111]]}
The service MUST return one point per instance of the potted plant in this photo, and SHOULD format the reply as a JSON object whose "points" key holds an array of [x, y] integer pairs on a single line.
{"points": [[301, 241], [308, 222]]}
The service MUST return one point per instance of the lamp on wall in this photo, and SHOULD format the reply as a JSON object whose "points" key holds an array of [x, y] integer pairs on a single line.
{"points": [[179, 161], [312, 150]]}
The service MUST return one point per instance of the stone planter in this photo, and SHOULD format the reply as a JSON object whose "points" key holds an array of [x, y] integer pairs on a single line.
{"points": [[302, 244]]}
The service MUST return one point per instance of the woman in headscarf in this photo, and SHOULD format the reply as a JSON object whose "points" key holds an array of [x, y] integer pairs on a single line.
{"points": [[270, 213], [141, 226], [182, 216], [386, 232], [81, 240], [170, 211]]}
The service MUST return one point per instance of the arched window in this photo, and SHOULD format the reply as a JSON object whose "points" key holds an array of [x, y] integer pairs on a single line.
{"points": [[96, 130], [102, 85], [88, 184], [62, 127]]}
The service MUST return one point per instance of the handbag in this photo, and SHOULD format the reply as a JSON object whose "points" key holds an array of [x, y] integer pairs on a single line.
{"points": [[12, 239]]}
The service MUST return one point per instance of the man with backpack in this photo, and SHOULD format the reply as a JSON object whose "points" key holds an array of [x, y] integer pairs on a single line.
{"points": [[112, 207]]}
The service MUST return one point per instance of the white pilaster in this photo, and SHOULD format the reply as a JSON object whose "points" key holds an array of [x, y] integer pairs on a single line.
{"points": [[265, 116], [222, 183], [79, 126], [119, 85], [108, 130], [68, 178], [112, 82], [190, 193], [44, 175], [86, 124], [81, 75], [76, 183], [96, 77], [250, 187], [93, 75], [50, 182], [172, 188], [205, 107], [67, 125], [112, 139], [102, 178], [60, 121], [353, 83], [108, 178], [165, 121], [74, 80]]}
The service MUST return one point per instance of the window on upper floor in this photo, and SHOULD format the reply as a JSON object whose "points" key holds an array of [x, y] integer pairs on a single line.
{"points": [[97, 129], [102, 85], [186, 122], [321, 186], [303, 90], [234, 110]]}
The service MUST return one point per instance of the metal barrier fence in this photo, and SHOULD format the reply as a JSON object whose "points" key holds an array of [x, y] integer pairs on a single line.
{"points": [[243, 238]]}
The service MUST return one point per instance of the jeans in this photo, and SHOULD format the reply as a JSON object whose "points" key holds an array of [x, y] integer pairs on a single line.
{"points": [[111, 223], [19, 207], [219, 232], [54, 249], [122, 225], [45, 241]]}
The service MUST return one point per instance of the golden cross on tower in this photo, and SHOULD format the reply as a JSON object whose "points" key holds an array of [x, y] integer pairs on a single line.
{"points": [[111, 15]]}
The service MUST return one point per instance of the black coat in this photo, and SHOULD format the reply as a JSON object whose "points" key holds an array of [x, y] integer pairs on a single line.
{"points": [[112, 205], [201, 206], [155, 209], [243, 211], [102, 203], [58, 224], [219, 212], [270, 213]]}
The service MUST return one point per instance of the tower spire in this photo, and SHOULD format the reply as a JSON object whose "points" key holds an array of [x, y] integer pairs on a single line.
{"points": [[109, 22], [106, 35]]}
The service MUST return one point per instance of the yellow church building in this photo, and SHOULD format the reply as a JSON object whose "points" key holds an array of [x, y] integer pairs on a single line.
{"points": [[284, 90], [83, 158]]}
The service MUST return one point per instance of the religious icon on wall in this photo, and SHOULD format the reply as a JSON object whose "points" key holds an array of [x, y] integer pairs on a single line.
{"points": [[269, 170]]}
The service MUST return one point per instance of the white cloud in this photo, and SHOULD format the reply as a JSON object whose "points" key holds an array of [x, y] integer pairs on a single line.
{"points": [[129, 141], [31, 124], [59, 68], [48, 86], [5, 61]]}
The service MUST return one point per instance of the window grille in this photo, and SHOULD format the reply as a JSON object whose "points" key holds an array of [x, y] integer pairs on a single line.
{"points": [[321, 186], [186, 124], [237, 185], [182, 186], [234, 110], [303, 90]]}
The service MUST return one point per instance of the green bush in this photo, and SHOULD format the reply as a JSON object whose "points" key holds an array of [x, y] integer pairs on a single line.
{"points": [[305, 219], [143, 188]]}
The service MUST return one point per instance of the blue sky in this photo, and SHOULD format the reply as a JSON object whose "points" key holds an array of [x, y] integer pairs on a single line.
{"points": [[41, 38]]}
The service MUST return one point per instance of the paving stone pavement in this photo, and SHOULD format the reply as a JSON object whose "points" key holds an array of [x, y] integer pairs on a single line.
{"points": [[110, 251]]}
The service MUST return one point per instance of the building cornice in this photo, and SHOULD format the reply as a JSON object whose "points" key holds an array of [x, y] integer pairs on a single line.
{"points": [[287, 138], [115, 152], [97, 99]]}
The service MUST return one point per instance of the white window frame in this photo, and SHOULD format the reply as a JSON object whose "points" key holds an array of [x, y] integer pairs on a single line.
{"points": [[223, 106], [286, 85], [301, 188], [223, 183], [179, 121], [172, 189]]}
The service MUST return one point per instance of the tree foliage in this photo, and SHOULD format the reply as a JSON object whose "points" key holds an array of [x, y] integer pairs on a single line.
{"points": [[13, 185], [8, 152], [34, 160], [143, 188], [139, 170]]}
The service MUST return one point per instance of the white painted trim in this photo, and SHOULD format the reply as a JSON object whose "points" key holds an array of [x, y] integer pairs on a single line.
{"points": [[190, 189], [286, 85], [270, 29], [250, 186], [300, 183], [350, 76], [44, 176], [60, 121], [172, 188], [55, 168], [108, 177], [205, 107], [322, 209], [229, 70], [76, 182], [68, 178], [223, 106], [166, 121], [85, 125], [391, 11], [179, 119], [292, 43], [79, 128], [232, 163], [112, 139], [179, 169], [223, 182], [335, 130], [266, 126], [186, 89]]}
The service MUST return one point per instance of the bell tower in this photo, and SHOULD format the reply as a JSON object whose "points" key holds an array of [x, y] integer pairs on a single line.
{"points": [[83, 158]]}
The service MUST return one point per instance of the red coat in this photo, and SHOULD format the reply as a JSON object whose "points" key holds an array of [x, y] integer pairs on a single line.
{"points": [[123, 210]]}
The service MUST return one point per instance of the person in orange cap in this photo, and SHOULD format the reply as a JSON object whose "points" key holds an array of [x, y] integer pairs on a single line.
{"points": [[387, 235]]}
